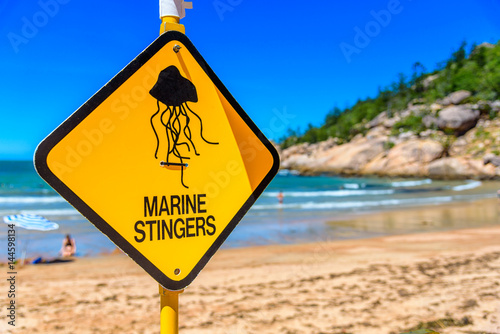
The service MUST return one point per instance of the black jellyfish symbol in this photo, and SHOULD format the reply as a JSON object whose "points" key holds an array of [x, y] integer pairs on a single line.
{"points": [[175, 91]]}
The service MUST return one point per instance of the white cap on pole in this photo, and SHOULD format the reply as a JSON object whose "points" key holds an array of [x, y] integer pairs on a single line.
{"points": [[175, 8]]}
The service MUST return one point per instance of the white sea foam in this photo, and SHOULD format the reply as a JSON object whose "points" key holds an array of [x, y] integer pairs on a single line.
{"points": [[287, 172], [353, 204], [353, 185], [31, 199], [331, 193], [469, 185], [54, 212], [45, 212], [399, 184], [42, 212]]}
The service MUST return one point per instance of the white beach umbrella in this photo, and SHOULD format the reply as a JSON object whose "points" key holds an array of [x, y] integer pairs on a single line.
{"points": [[30, 222]]}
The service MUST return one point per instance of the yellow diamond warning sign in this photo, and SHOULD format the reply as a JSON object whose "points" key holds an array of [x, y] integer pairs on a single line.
{"points": [[162, 160]]}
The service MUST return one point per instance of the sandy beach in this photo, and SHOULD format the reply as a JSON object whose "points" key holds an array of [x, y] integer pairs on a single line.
{"points": [[446, 280]]}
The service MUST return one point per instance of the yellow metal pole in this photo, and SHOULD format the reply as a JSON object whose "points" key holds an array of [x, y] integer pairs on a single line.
{"points": [[169, 316], [171, 23], [169, 300]]}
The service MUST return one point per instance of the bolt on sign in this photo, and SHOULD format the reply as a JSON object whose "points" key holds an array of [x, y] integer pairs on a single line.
{"points": [[162, 160]]}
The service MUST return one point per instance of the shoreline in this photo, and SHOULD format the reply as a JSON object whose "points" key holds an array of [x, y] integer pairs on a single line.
{"points": [[390, 221], [312, 203], [386, 284], [427, 218]]}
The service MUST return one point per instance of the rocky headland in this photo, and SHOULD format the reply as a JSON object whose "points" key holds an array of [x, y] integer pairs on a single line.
{"points": [[456, 137]]}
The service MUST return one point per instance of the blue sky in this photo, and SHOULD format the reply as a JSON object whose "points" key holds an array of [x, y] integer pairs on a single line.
{"points": [[286, 62]]}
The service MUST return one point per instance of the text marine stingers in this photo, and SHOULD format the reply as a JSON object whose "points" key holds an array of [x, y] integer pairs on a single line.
{"points": [[188, 218]]}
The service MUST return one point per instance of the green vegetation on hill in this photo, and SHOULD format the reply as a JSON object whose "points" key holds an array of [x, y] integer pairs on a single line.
{"points": [[477, 71]]}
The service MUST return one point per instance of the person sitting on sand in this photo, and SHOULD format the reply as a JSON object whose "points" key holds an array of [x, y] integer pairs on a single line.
{"points": [[68, 246]]}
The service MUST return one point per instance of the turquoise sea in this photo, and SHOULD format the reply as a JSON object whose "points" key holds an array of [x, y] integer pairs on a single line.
{"points": [[310, 205]]}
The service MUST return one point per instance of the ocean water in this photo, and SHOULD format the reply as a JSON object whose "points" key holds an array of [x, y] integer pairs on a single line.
{"points": [[309, 206]]}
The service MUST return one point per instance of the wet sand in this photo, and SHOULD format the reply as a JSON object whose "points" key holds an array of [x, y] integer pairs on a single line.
{"points": [[449, 280], [442, 217]]}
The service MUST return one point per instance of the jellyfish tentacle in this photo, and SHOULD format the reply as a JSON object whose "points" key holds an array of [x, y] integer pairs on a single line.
{"points": [[175, 123], [171, 124], [187, 145], [178, 155], [161, 117], [182, 175], [187, 130], [167, 127], [154, 130], [201, 126]]}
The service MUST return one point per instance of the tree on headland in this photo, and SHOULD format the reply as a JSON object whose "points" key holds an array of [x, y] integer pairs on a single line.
{"points": [[477, 71]]}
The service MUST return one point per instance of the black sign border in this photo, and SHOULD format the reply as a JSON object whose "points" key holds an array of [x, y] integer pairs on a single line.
{"points": [[44, 148]]}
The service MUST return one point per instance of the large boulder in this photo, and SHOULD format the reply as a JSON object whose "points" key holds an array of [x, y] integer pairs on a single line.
{"points": [[456, 97], [429, 80], [377, 132], [378, 120], [349, 158], [485, 45], [492, 159], [423, 151], [460, 168], [302, 148], [429, 121], [458, 119], [409, 158], [352, 157], [448, 168], [389, 123], [296, 156], [495, 105]]}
